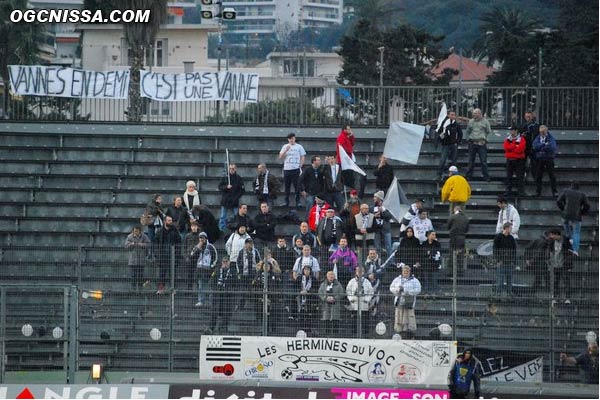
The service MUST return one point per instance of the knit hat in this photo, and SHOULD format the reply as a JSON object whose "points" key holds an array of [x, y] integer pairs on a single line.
{"points": [[202, 235], [248, 241], [380, 195]]}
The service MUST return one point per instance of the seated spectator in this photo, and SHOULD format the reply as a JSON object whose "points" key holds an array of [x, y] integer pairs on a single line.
{"points": [[207, 258], [359, 292], [306, 260], [235, 243], [329, 231], [344, 262], [306, 236], [264, 227], [207, 222], [232, 189], [191, 197], [156, 212], [373, 264], [190, 259], [409, 250], [505, 254], [406, 288], [586, 362], [430, 264], [247, 260], [179, 214], [421, 225], [331, 294], [138, 245], [364, 225], [317, 212], [266, 185], [306, 300], [241, 218]]}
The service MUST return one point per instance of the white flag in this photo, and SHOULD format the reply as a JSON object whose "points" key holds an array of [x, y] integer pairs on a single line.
{"points": [[348, 163], [441, 118], [404, 142], [395, 201]]}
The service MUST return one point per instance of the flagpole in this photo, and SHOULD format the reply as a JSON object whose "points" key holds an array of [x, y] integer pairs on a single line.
{"points": [[227, 167]]}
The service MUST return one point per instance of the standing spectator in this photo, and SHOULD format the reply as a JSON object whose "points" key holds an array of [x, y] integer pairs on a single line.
{"points": [[293, 159], [450, 136], [530, 129], [505, 253], [264, 227], [166, 238], [406, 288], [191, 259], [247, 259], [344, 261], [332, 182], [232, 189], [463, 372], [514, 151], [206, 254], [365, 228], [317, 212], [312, 182], [235, 243], [478, 131], [507, 213], [536, 260], [266, 185], [456, 189], [241, 217], [586, 361], [573, 204], [346, 141], [331, 293], [430, 265], [330, 229], [544, 151], [284, 256], [155, 210], [306, 259], [359, 292], [373, 264], [561, 263], [350, 210], [206, 221], [458, 227], [138, 244], [297, 248], [224, 282], [409, 250], [382, 221], [421, 225], [306, 236], [267, 276], [384, 174], [191, 197], [306, 300], [411, 213], [179, 214]]}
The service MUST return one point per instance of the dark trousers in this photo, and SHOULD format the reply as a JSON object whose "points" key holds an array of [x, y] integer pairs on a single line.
{"points": [[449, 153], [481, 150], [290, 177], [562, 276], [332, 327], [221, 309], [348, 178], [137, 276], [337, 198], [515, 168], [545, 166]]}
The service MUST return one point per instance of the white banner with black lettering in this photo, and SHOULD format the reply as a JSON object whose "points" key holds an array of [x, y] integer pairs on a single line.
{"points": [[38, 80], [199, 86], [279, 359]]}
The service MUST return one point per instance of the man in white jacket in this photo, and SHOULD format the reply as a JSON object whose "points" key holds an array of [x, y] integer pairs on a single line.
{"points": [[406, 288], [359, 292], [235, 243], [507, 213], [421, 225]]}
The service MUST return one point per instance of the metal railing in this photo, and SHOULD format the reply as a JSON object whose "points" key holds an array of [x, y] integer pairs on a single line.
{"points": [[107, 304], [557, 107]]}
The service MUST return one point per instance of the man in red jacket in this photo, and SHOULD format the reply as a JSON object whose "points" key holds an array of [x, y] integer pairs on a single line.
{"points": [[514, 151], [346, 141]]}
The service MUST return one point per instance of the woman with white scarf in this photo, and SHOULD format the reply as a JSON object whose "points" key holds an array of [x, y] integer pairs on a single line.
{"points": [[191, 197]]}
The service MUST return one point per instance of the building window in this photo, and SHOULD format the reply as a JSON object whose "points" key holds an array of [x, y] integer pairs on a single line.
{"points": [[155, 108], [295, 67], [156, 56]]}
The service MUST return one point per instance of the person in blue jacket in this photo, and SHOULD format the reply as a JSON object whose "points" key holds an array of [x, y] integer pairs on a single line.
{"points": [[461, 375], [544, 151]]}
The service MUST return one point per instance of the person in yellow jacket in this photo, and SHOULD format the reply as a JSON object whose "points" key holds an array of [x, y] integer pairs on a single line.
{"points": [[456, 190]]}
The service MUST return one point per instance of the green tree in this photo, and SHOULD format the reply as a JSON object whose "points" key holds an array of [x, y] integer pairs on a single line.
{"points": [[383, 13]]}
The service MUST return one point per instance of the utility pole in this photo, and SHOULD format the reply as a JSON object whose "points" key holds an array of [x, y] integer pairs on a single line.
{"points": [[380, 100]]}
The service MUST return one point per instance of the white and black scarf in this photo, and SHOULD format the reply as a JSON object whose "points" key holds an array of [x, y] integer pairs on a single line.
{"points": [[306, 285], [265, 186]]}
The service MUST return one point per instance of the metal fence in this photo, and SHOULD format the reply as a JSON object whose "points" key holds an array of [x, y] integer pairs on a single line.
{"points": [[557, 107], [107, 306]]}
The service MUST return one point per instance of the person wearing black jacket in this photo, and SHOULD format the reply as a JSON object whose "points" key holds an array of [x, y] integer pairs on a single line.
{"points": [[458, 227], [430, 262], [232, 187], [264, 227], [179, 214], [166, 238], [190, 241], [409, 249], [464, 371], [449, 135], [530, 129], [224, 283], [384, 174], [573, 204], [311, 182], [561, 262], [505, 254], [241, 218], [330, 229], [207, 222]]}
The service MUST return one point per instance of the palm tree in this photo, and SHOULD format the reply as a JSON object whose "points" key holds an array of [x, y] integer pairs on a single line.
{"points": [[140, 37], [503, 32]]}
